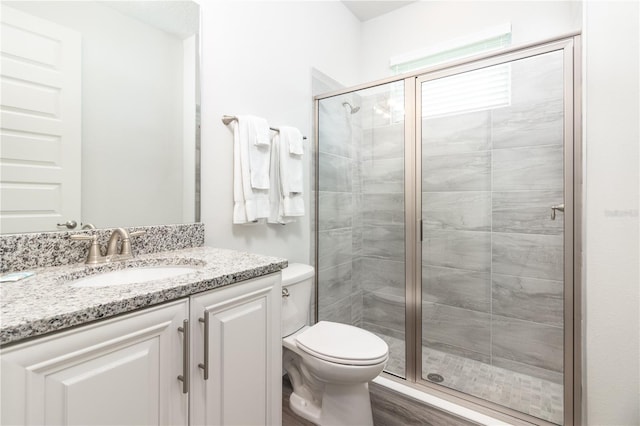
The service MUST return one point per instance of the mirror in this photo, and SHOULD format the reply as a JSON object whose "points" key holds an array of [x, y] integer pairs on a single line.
{"points": [[99, 112]]}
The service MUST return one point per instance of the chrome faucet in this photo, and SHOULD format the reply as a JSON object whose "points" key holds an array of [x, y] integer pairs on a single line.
{"points": [[125, 246]]}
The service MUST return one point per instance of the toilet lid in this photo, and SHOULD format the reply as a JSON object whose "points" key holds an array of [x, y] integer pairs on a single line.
{"points": [[342, 344], [295, 273]]}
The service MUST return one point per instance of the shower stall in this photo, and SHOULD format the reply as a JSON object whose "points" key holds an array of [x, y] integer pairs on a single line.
{"points": [[446, 224]]}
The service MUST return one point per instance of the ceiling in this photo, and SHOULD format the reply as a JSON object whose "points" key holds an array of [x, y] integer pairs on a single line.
{"points": [[181, 18], [365, 10]]}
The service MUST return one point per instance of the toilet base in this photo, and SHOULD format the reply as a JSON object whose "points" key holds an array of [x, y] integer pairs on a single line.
{"points": [[342, 405]]}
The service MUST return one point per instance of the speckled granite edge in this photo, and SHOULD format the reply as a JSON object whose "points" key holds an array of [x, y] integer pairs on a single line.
{"points": [[47, 303], [19, 252]]}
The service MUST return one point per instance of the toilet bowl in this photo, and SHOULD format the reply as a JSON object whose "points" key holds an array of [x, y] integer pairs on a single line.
{"points": [[329, 364]]}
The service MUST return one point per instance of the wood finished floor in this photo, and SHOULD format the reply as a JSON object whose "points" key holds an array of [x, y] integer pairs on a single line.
{"points": [[389, 409], [288, 416]]}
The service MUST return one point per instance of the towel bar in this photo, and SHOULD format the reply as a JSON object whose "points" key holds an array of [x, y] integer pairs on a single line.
{"points": [[227, 119]]}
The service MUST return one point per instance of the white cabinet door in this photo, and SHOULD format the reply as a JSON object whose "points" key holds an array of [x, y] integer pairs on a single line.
{"points": [[121, 371], [244, 355]]}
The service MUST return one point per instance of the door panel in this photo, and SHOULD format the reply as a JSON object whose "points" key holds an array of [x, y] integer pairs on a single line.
{"points": [[361, 270], [485, 277], [119, 388], [119, 371], [243, 350], [492, 160], [41, 123]]}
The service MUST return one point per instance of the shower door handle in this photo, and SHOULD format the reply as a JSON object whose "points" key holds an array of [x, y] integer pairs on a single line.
{"points": [[559, 207]]}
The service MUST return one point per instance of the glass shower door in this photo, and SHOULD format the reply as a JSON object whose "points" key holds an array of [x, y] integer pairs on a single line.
{"points": [[360, 214], [492, 199]]}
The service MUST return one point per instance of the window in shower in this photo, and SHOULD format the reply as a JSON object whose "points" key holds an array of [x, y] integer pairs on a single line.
{"points": [[484, 89], [361, 232], [488, 40]]}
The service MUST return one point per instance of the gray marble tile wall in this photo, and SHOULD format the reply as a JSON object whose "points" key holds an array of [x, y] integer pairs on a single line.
{"points": [[361, 213], [339, 299], [382, 274], [320, 83], [492, 257], [456, 330]]}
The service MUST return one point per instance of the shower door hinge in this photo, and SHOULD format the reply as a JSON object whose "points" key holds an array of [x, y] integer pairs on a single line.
{"points": [[420, 225]]}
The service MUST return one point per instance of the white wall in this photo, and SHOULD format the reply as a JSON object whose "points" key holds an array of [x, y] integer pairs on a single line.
{"points": [[611, 53], [427, 23], [257, 59], [250, 67]]}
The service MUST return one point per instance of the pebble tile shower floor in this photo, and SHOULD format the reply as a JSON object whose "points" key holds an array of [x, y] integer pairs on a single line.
{"points": [[534, 396]]}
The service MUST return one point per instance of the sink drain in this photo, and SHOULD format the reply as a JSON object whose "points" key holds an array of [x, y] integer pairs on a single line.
{"points": [[436, 378]]}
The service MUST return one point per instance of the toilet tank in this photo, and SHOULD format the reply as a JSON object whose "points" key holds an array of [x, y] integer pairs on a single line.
{"points": [[297, 283]]}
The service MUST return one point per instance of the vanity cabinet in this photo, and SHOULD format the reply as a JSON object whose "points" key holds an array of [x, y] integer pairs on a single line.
{"points": [[236, 357], [118, 371], [125, 370]]}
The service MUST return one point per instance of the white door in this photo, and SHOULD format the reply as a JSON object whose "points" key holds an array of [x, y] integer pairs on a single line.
{"points": [[41, 123], [244, 362], [121, 371]]}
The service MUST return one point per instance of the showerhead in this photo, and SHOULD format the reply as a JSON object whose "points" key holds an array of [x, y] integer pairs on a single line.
{"points": [[352, 109]]}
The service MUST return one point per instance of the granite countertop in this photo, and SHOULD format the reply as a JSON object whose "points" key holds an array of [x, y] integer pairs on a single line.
{"points": [[47, 302]]}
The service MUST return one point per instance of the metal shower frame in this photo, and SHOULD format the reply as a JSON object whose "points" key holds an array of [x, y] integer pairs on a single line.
{"points": [[570, 45]]}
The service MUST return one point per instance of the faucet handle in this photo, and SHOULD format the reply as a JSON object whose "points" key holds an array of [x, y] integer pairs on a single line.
{"points": [[94, 255], [125, 250]]}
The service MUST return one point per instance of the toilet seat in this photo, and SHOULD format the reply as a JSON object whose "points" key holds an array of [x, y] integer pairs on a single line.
{"points": [[342, 344]]}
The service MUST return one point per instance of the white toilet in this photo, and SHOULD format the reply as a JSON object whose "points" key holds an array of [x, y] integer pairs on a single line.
{"points": [[329, 364]]}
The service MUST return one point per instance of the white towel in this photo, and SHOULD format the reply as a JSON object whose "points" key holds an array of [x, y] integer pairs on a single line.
{"points": [[250, 204], [275, 194], [295, 140], [256, 131], [291, 172]]}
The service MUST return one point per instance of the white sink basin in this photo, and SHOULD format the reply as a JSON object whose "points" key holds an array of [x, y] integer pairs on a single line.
{"points": [[133, 275]]}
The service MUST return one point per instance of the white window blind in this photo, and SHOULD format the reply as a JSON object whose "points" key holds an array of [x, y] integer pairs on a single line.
{"points": [[477, 90], [472, 91]]}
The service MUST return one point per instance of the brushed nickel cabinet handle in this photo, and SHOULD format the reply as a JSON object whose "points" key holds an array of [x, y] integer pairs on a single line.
{"points": [[184, 378], [205, 365]]}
